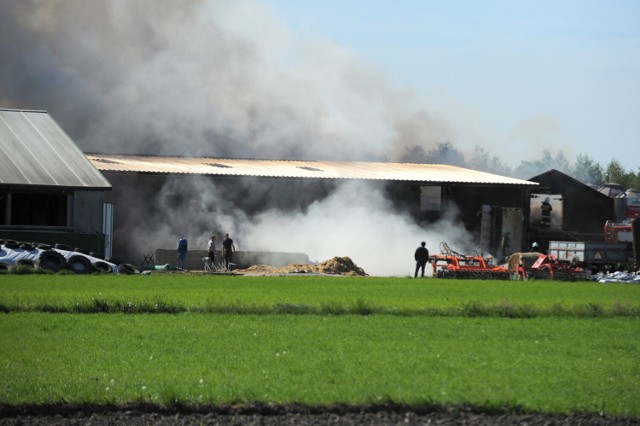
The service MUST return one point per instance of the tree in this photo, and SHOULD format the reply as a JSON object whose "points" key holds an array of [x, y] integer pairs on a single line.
{"points": [[615, 173], [587, 171], [446, 153], [413, 154], [528, 169], [482, 160]]}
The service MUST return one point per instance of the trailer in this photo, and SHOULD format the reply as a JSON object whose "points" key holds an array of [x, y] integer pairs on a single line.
{"points": [[594, 256]]}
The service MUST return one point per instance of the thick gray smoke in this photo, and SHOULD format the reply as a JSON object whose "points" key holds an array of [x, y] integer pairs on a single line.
{"points": [[222, 79], [199, 78]]}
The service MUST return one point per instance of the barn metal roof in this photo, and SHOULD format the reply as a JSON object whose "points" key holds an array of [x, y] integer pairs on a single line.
{"points": [[35, 151], [428, 173]]}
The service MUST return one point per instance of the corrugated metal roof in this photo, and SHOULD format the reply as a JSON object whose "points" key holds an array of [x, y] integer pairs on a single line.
{"points": [[35, 151], [428, 173]]}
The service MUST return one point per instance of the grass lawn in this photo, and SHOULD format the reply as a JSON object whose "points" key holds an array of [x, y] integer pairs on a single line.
{"points": [[583, 358]]}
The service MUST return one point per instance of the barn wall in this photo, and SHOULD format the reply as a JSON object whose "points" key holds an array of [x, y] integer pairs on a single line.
{"points": [[82, 228], [87, 211]]}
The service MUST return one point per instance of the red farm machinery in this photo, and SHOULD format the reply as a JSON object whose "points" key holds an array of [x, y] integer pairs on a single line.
{"points": [[526, 266], [451, 264]]}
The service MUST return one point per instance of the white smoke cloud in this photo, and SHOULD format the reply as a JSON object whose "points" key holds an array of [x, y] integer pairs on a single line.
{"points": [[355, 220]]}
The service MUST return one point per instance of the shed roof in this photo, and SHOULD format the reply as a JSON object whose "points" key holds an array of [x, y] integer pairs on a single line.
{"points": [[35, 151], [426, 173]]}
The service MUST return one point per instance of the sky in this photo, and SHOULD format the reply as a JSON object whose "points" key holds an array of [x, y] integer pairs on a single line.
{"points": [[513, 76]]}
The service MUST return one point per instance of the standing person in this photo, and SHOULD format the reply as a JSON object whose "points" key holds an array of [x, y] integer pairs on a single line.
{"points": [[182, 252], [421, 256], [211, 249], [227, 250], [546, 210]]}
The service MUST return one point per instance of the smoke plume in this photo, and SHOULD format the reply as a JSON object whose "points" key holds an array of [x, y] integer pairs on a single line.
{"points": [[196, 78], [221, 79]]}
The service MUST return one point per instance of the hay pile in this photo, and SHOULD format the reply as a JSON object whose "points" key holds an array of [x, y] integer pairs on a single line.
{"points": [[334, 266]]}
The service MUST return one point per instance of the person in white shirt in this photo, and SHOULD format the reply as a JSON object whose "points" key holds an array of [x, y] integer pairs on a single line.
{"points": [[211, 248]]}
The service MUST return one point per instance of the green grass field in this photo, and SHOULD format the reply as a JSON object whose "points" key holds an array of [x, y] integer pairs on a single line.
{"points": [[537, 346]]}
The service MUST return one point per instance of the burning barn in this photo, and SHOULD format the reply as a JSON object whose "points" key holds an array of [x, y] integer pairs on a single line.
{"points": [[49, 191], [160, 199], [578, 212]]}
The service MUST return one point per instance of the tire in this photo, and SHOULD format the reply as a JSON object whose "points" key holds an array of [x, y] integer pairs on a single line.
{"points": [[51, 260], [102, 267], [128, 269], [10, 244], [25, 262], [96, 255], [79, 264], [27, 246], [113, 260], [44, 246], [4, 266], [63, 247], [80, 250]]}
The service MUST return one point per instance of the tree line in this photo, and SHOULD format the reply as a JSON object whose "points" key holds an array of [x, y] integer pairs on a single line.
{"points": [[584, 168]]}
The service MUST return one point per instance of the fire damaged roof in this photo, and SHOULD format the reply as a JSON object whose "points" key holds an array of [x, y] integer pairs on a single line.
{"points": [[428, 173], [35, 151]]}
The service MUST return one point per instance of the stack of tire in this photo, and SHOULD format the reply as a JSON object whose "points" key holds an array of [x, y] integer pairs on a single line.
{"points": [[59, 257]]}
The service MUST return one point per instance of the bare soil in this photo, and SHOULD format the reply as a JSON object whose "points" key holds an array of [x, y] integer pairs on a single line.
{"points": [[268, 415]]}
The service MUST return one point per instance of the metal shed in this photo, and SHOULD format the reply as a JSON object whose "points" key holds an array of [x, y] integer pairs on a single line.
{"points": [[49, 191]]}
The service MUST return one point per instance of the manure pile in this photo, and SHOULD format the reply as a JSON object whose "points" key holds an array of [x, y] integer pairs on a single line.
{"points": [[334, 266]]}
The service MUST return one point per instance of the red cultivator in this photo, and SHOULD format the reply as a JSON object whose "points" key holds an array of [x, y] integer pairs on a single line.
{"points": [[526, 266], [450, 264]]}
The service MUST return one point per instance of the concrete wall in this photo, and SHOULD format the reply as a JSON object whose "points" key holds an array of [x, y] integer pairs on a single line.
{"points": [[242, 259]]}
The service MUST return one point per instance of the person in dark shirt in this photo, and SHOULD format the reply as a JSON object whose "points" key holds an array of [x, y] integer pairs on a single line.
{"points": [[227, 250], [421, 256]]}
